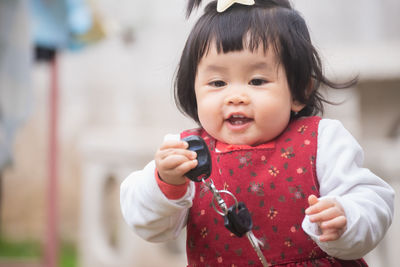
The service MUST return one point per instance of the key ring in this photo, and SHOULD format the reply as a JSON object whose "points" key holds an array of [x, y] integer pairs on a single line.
{"points": [[217, 196], [223, 208]]}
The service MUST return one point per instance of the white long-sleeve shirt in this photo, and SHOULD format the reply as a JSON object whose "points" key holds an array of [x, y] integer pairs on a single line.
{"points": [[367, 200]]}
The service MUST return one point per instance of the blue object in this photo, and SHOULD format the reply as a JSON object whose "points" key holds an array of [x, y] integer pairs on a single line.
{"points": [[15, 68], [56, 22]]}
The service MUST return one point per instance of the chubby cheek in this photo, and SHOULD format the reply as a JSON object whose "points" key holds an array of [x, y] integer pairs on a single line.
{"points": [[274, 119], [209, 114]]}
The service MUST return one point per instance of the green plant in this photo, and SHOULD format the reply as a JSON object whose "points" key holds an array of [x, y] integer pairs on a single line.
{"points": [[33, 250]]}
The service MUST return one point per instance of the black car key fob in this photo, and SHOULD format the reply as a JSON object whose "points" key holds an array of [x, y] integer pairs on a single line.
{"points": [[238, 219], [203, 168]]}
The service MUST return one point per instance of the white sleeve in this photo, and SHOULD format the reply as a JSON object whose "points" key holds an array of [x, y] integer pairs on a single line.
{"points": [[367, 200], [144, 207]]}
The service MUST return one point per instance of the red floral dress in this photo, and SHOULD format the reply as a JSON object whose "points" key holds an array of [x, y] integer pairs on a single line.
{"points": [[274, 180]]}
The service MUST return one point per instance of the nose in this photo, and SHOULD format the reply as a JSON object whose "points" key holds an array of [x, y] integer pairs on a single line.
{"points": [[237, 98]]}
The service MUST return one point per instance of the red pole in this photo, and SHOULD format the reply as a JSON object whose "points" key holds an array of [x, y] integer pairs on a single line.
{"points": [[51, 246]]}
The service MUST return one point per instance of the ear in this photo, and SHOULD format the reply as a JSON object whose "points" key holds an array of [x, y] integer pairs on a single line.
{"points": [[297, 106]]}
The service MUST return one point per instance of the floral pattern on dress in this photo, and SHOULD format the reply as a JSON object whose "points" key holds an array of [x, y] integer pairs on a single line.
{"points": [[273, 171], [302, 129], [287, 153], [272, 213], [256, 188], [244, 160], [274, 184]]}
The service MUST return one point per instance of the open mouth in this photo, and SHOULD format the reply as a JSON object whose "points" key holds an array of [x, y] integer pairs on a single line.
{"points": [[238, 119]]}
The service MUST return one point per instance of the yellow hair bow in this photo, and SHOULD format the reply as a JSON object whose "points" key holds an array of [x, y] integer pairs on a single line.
{"points": [[223, 5]]}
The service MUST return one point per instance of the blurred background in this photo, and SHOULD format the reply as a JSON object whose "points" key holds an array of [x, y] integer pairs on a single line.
{"points": [[86, 98]]}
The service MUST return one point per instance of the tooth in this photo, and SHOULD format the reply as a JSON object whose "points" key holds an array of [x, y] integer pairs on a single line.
{"points": [[237, 116]]}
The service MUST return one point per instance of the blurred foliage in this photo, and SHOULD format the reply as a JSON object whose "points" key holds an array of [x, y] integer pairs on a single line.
{"points": [[69, 255], [33, 250]]}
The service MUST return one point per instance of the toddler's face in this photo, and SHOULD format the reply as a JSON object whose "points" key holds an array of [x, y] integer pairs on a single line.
{"points": [[243, 97]]}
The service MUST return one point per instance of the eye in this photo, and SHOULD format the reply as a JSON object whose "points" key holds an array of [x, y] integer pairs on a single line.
{"points": [[257, 82], [217, 83]]}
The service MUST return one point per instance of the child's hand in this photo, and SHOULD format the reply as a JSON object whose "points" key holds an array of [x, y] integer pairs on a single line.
{"points": [[329, 215], [173, 160]]}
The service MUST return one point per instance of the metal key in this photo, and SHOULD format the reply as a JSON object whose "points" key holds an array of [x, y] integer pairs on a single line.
{"points": [[238, 221], [237, 218], [255, 243]]}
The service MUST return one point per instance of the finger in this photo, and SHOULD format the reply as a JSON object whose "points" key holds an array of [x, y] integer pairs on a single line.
{"points": [[326, 215], [163, 154], [312, 199], [173, 161], [319, 206], [180, 170], [174, 144], [330, 235], [187, 166], [335, 223]]}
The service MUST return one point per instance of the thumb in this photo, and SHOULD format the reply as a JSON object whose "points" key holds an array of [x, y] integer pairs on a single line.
{"points": [[312, 200]]}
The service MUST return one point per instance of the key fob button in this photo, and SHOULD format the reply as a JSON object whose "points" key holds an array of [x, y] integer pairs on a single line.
{"points": [[203, 169]]}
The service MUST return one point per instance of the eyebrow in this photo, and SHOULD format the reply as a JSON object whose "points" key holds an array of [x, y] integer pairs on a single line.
{"points": [[215, 68], [259, 65]]}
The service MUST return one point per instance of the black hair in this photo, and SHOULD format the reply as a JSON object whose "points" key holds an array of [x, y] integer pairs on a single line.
{"points": [[270, 23]]}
